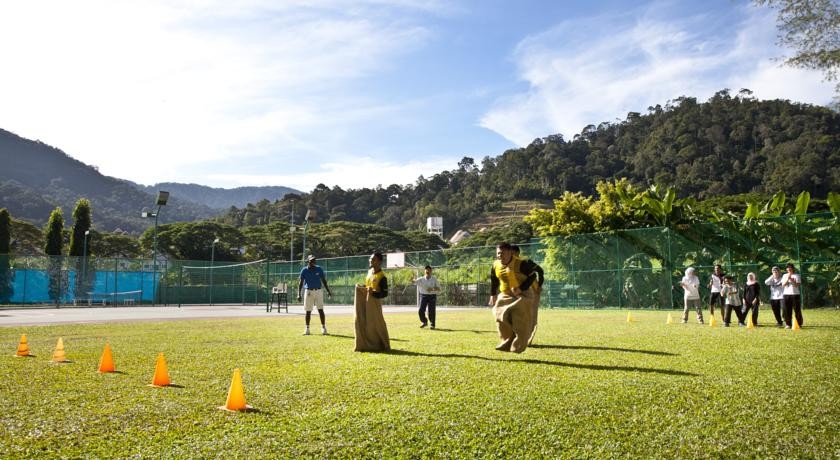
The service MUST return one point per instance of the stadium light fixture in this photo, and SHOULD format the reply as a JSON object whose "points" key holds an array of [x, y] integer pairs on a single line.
{"points": [[310, 214], [162, 198]]}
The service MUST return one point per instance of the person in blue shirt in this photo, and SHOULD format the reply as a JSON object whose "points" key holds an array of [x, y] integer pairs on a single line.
{"points": [[312, 278]]}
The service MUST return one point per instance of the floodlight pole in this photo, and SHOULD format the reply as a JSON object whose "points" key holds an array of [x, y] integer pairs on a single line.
{"points": [[292, 233], [84, 259], [212, 260], [310, 214], [162, 198]]}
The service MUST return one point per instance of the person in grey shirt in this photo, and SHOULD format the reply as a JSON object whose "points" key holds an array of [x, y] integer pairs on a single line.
{"points": [[777, 296], [427, 287]]}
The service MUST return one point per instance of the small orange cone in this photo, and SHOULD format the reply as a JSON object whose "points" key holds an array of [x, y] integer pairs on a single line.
{"points": [[236, 395], [161, 378], [629, 318], [106, 362], [23, 347], [712, 322], [750, 323], [58, 355], [670, 319], [796, 325]]}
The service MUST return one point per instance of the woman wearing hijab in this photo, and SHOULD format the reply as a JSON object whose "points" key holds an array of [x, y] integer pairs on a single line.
{"points": [[752, 297], [691, 285]]}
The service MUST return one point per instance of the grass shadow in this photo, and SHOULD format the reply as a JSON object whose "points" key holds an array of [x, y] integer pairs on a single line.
{"points": [[443, 329], [340, 336], [594, 367], [586, 347]]}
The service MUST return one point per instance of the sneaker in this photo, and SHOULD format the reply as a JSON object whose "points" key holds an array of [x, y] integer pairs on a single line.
{"points": [[725, 324], [684, 321], [701, 321], [423, 325], [433, 326], [742, 324], [323, 330], [787, 327], [306, 332], [781, 325]]}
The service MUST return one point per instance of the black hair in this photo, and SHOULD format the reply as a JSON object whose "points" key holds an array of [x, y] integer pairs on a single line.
{"points": [[504, 245], [790, 266], [427, 267], [515, 248], [378, 255]]}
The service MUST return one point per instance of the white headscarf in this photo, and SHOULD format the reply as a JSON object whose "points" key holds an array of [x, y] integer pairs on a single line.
{"points": [[689, 276], [751, 279]]}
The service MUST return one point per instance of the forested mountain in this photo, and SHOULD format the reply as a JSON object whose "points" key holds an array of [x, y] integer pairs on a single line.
{"points": [[727, 145], [35, 178], [221, 198]]}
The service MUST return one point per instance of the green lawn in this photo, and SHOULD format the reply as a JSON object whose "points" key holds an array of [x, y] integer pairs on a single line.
{"points": [[595, 386]]}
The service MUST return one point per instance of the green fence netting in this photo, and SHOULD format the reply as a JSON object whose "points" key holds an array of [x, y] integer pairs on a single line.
{"points": [[638, 268]]}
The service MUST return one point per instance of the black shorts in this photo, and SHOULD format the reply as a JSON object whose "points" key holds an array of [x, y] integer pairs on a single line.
{"points": [[716, 299]]}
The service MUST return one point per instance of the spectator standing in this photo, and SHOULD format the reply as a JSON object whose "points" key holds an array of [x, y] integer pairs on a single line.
{"points": [[791, 281], [729, 291], [777, 296], [427, 287], [691, 297], [752, 298], [715, 285]]}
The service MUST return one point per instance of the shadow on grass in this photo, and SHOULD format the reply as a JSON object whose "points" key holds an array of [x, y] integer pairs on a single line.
{"points": [[441, 329], [585, 347], [340, 336], [594, 367]]}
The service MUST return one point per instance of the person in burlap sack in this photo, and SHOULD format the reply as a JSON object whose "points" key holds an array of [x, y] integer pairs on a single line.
{"points": [[371, 330], [512, 295]]}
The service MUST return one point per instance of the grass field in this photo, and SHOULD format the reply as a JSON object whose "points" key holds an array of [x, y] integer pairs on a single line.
{"points": [[595, 386]]}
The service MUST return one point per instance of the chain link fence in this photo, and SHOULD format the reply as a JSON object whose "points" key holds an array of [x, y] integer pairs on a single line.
{"points": [[638, 268]]}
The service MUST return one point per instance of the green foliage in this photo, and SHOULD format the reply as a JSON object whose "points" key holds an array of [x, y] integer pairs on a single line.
{"points": [[81, 223], [834, 203], [6, 274], [514, 233], [570, 216], [593, 387], [193, 241], [812, 29], [55, 234]]}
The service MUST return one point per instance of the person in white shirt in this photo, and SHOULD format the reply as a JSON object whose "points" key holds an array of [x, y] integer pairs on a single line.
{"points": [[715, 284], [777, 296], [793, 300], [427, 287], [691, 284]]}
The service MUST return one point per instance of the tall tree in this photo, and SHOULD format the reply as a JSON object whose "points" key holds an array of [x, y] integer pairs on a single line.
{"points": [[812, 29], [79, 247], [54, 247], [81, 224], [5, 259]]}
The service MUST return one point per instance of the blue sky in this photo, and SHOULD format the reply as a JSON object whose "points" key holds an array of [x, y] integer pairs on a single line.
{"points": [[360, 93]]}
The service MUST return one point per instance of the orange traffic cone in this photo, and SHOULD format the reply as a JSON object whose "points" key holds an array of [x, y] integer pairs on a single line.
{"points": [[670, 320], [23, 347], [796, 325], [629, 318], [236, 395], [712, 322], [161, 378], [106, 362], [750, 323], [58, 355]]}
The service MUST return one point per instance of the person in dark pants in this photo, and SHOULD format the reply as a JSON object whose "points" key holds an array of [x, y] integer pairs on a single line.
{"points": [[715, 284], [427, 287], [752, 298], [777, 296], [793, 299], [733, 301]]}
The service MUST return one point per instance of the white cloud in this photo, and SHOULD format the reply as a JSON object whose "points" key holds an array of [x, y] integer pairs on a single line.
{"points": [[352, 173], [580, 73], [144, 90]]}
